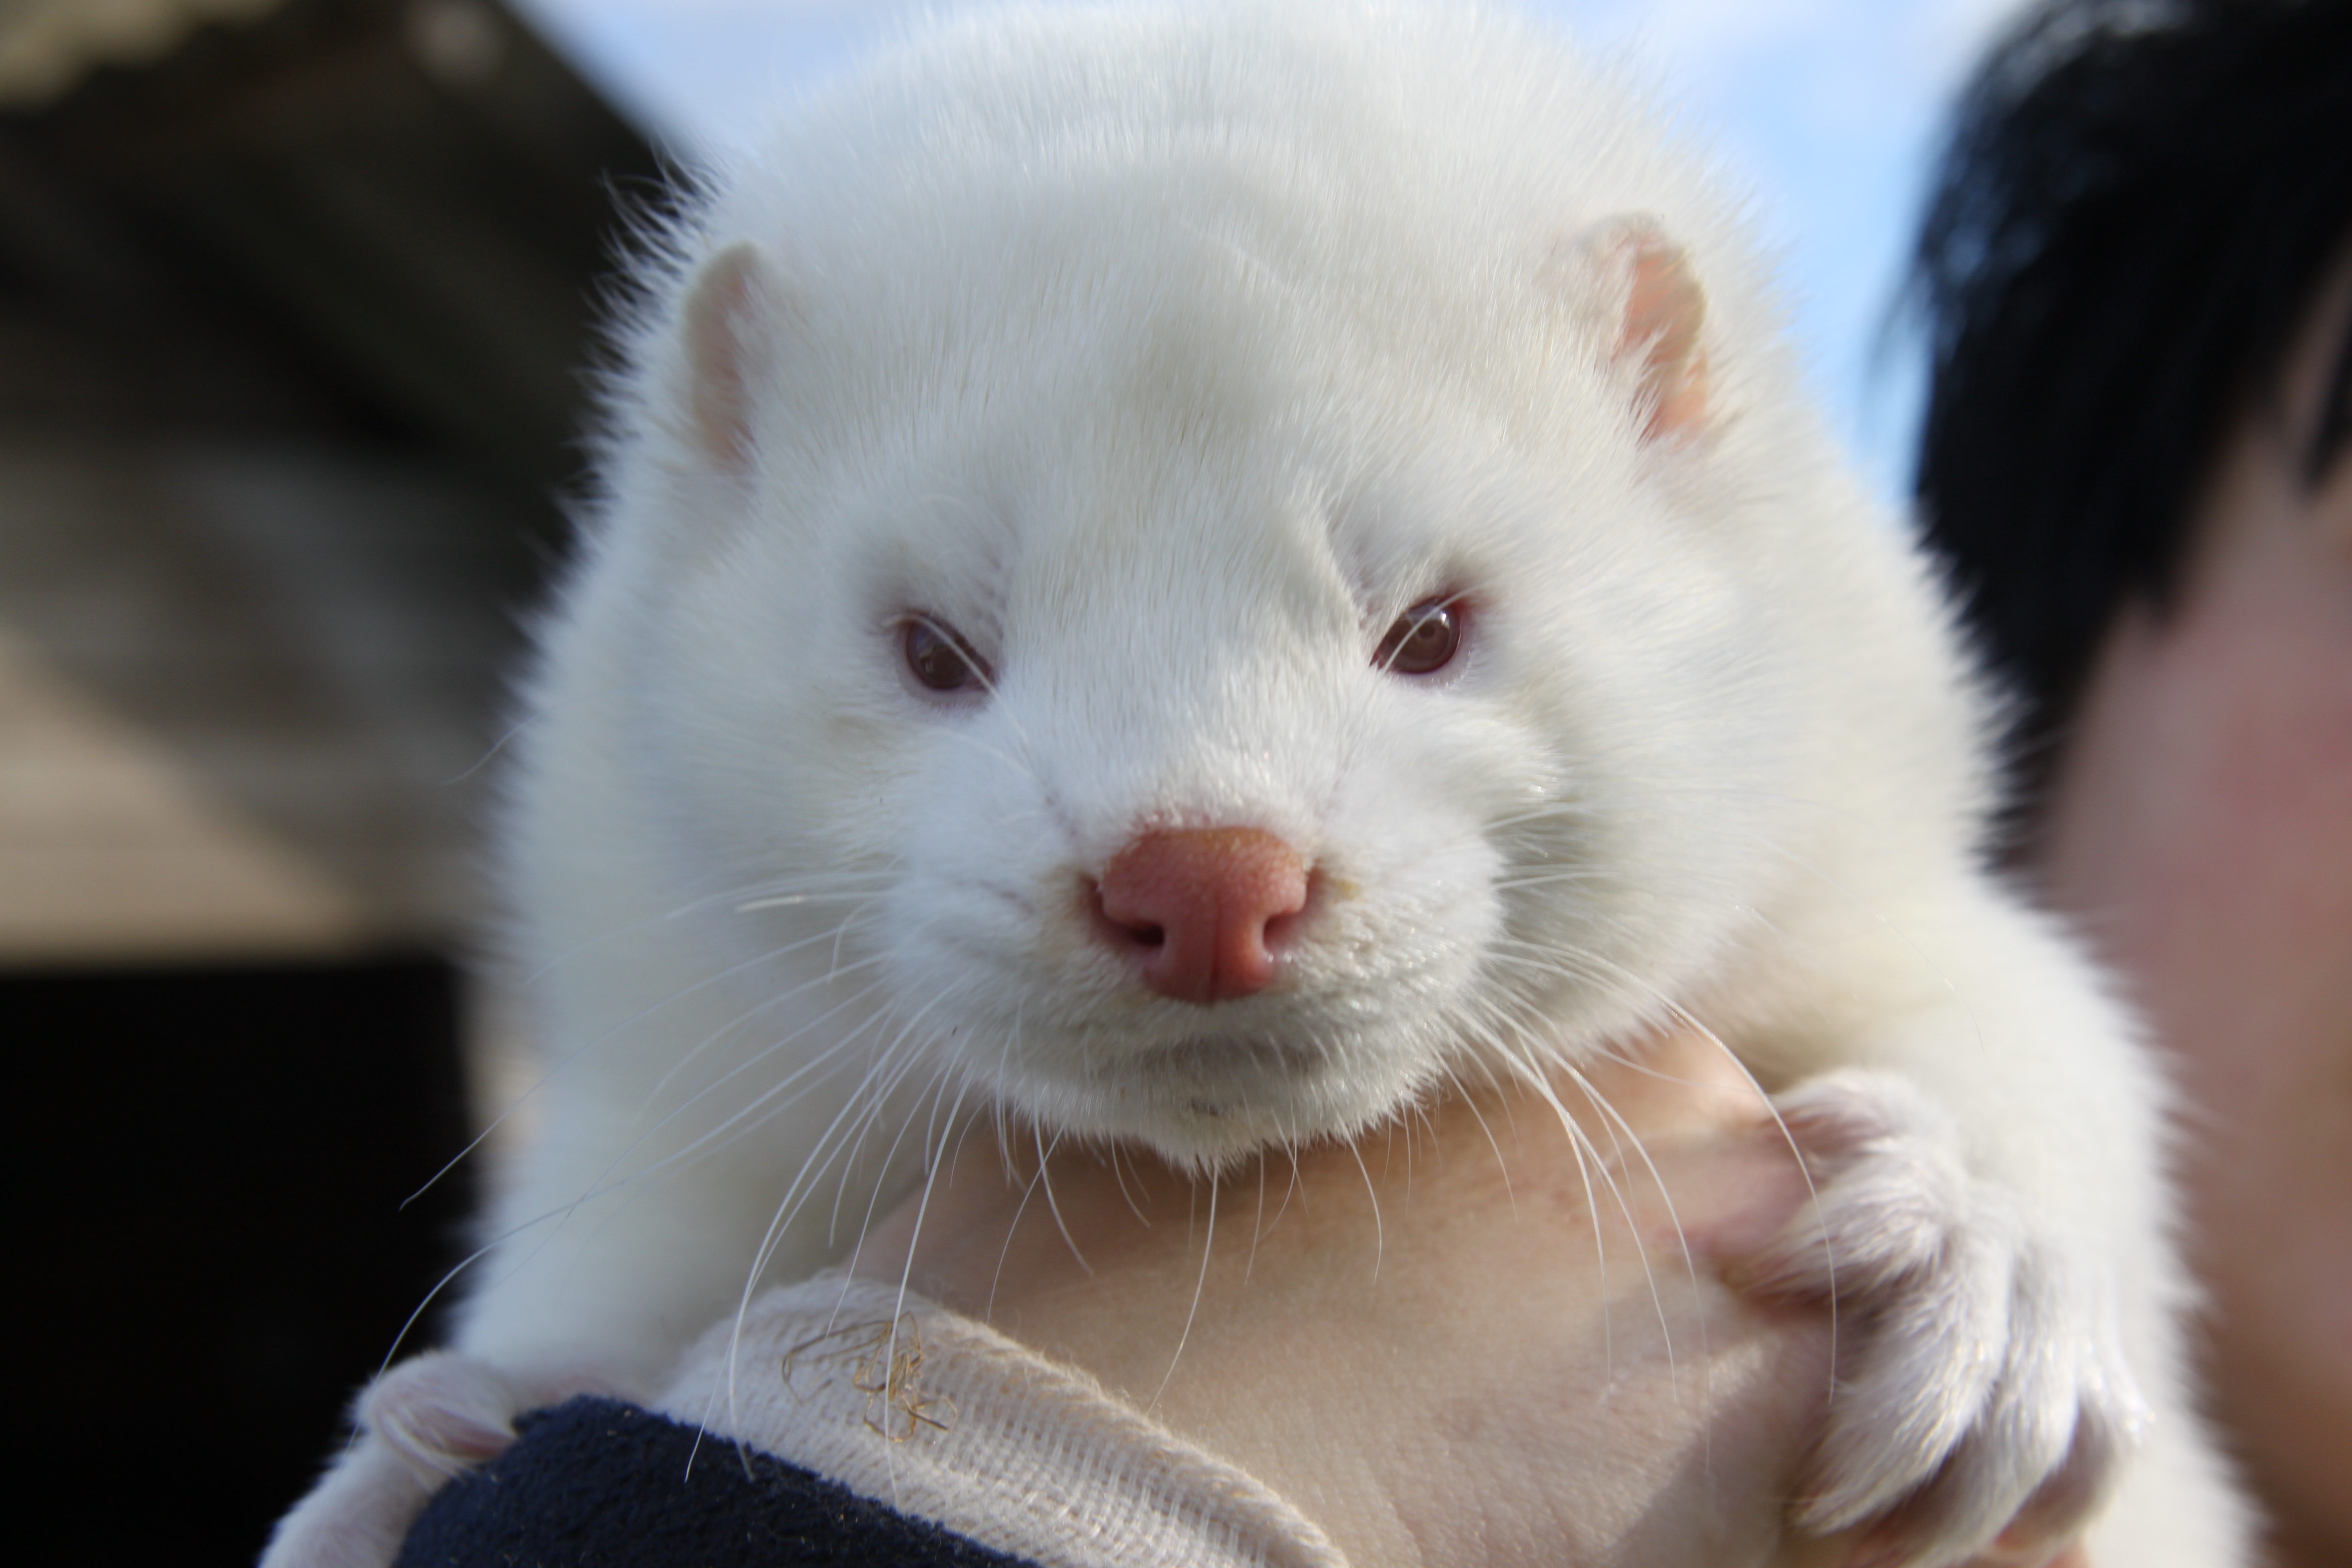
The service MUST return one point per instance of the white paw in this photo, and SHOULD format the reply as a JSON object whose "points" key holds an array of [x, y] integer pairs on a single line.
{"points": [[443, 1414], [426, 1420], [1981, 1400]]}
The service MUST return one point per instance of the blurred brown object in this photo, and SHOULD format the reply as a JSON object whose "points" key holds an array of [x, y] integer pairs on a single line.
{"points": [[292, 320]]}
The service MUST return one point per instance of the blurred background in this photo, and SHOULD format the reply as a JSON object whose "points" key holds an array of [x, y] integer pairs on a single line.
{"points": [[294, 299]]}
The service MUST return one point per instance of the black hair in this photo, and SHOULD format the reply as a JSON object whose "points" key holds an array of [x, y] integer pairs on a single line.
{"points": [[2136, 205]]}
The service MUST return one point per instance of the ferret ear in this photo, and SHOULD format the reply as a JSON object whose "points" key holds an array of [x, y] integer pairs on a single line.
{"points": [[1652, 313], [729, 324]]}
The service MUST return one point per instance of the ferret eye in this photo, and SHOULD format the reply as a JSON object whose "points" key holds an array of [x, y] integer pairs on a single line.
{"points": [[938, 659], [1423, 640]]}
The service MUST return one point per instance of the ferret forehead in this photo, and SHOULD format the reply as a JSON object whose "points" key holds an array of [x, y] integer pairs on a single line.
{"points": [[1140, 290], [1158, 500], [1186, 447], [1064, 493], [1127, 367]]}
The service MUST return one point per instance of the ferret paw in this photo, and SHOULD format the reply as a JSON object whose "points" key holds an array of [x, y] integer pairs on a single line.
{"points": [[423, 1422], [1981, 1403], [443, 1414]]}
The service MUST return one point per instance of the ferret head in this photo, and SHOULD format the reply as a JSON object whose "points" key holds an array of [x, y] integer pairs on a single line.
{"points": [[1193, 616]]}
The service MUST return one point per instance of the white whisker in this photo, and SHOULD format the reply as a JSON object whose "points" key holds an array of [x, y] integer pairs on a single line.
{"points": [[1200, 1285]]}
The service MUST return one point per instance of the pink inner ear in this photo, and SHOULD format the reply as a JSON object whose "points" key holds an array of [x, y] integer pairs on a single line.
{"points": [[722, 324], [1664, 311]]}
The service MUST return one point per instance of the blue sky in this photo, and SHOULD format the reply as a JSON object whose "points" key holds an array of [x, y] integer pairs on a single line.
{"points": [[1826, 109]]}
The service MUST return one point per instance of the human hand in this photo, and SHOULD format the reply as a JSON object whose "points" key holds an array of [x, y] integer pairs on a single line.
{"points": [[1477, 1338]]}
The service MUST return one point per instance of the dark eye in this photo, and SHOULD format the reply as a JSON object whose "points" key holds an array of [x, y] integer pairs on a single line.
{"points": [[1423, 640], [938, 659]]}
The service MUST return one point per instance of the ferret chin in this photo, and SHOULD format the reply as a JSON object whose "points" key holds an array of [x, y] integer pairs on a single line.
{"points": [[1189, 572]]}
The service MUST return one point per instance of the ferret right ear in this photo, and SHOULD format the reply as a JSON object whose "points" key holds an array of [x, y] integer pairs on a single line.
{"points": [[1654, 315], [729, 324]]}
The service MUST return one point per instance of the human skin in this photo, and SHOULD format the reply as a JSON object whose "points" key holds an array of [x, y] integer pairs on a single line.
{"points": [[1442, 1344], [2200, 832]]}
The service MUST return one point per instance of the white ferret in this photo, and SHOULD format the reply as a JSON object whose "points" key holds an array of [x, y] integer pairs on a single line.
{"points": [[1186, 573]]}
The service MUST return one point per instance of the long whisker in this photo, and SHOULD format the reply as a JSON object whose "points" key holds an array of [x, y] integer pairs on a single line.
{"points": [[988, 1313], [847, 880], [1053, 1205], [1681, 1016], [1200, 1285], [1379, 1232], [549, 1073]]}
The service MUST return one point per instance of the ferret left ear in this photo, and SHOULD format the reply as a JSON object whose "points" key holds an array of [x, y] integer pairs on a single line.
{"points": [[1652, 313], [728, 323]]}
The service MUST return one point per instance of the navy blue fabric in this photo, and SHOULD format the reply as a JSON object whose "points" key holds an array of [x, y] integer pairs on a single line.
{"points": [[595, 1483]]}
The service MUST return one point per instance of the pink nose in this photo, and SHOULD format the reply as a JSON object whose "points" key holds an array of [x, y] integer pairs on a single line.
{"points": [[1203, 908]]}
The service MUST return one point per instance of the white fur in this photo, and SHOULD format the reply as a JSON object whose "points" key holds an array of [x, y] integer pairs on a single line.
{"points": [[1170, 356]]}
